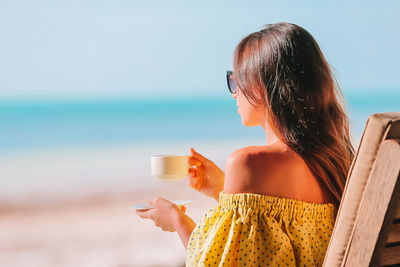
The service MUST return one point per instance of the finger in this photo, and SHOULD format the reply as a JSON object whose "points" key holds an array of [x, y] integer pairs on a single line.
{"points": [[152, 201], [143, 213], [195, 183], [160, 202], [192, 172], [194, 162], [198, 156]]}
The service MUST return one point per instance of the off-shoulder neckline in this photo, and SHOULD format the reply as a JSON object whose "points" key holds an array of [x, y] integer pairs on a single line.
{"points": [[271, 197]]}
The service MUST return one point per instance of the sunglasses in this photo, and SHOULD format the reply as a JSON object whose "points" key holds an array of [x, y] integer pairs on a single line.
{"points": [[231, 83]]}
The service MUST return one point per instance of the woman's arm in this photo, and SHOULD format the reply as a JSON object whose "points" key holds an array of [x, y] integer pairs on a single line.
{"points": [[184, 226]]}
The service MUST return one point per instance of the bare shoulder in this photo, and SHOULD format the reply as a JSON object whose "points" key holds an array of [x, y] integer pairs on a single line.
{"points": [[248, 169], [251, 156]]}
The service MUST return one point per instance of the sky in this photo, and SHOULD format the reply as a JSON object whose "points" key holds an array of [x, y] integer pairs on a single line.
{"points": [[135, 49]]}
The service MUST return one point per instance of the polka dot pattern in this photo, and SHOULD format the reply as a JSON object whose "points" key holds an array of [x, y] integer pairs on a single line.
{"points": [[247, 229]]}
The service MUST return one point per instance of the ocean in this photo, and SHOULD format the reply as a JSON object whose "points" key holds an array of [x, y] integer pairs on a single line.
{"points": [[32, 125], [59, 146]]}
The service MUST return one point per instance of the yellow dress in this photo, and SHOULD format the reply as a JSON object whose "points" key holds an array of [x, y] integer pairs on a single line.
{"points": [[247, 229]]}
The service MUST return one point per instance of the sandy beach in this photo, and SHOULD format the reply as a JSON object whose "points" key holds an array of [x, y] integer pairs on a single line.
{"points": [[100, 230]]}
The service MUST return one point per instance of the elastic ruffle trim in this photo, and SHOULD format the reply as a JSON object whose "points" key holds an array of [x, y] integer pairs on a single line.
{"points": [[273, 206]]}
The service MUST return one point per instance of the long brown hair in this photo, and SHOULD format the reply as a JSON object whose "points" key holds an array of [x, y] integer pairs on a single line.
{"points": [[283, 68]]}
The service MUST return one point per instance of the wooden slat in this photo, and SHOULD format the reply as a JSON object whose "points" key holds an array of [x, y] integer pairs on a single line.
{"points": [[394, 234], [390, 256], [388, 232], [374, 206], [397, 212]]}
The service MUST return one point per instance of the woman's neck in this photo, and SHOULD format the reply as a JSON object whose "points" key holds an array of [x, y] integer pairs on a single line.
{"points": [[270, 134]]}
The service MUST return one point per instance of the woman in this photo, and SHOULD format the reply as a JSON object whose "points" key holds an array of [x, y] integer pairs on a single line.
{"points": [[278, 202]]}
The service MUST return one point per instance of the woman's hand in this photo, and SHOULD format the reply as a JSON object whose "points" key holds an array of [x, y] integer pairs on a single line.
{"points": [[165, 214], [205, 176]]}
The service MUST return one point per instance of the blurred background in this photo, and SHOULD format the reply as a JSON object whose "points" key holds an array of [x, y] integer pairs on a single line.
{"points": [[89, 90]]}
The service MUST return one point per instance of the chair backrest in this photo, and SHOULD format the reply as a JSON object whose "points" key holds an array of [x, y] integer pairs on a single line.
{"points": [[367, 226]]}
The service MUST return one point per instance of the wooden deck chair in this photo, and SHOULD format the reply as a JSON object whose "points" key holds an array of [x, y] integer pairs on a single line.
{"points": [[367, 226]]}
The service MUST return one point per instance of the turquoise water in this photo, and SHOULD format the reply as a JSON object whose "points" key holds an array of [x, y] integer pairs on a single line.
{"points": [[28, 125], [39, 124]]}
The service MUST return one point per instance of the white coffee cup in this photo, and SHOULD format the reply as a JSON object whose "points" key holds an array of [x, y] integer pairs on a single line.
{"points": [[170, 167]]}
